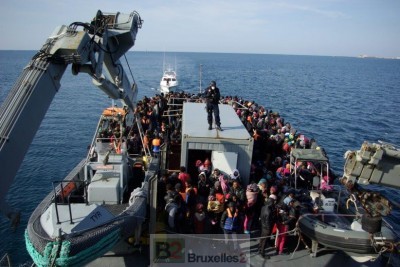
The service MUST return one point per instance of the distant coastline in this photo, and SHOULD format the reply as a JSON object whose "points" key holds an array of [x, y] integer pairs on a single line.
{"points": [[366, 56], [150, 51]]}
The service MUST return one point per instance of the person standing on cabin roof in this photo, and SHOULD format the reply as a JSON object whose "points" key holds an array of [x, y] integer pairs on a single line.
{"points": [[213, 96]]}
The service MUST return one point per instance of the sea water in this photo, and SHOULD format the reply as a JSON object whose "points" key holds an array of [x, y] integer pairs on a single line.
{"points": [[339, 101]]}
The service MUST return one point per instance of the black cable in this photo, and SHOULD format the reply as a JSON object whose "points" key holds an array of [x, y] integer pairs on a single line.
{"points": [[87, 26], [129, 67]]}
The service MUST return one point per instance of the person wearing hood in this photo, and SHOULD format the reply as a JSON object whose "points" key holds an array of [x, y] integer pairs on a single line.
{"points": [[183, 176], [215, 207], [267, 221], [173, 210], [207, 167], [250, 206], [203, 188], [214, 176], [200, 220], [224, 184], [235, 176]]}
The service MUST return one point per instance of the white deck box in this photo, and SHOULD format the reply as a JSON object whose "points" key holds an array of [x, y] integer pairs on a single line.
{"points": [[104, 188]]}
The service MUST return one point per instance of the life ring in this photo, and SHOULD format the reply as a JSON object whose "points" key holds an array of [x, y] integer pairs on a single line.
{"points": [[67, 190]]}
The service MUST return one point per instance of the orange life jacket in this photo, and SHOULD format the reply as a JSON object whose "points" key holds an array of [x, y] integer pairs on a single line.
{"points": [[156, 142]]}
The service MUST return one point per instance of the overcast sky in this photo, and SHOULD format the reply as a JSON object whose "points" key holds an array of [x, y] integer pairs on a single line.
{"points": [[295, 27]]}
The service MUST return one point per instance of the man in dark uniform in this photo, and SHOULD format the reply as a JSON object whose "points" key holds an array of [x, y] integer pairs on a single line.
{"points": [[213, 96], [268, 219]]}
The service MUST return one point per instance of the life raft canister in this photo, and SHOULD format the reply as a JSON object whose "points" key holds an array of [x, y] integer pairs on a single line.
{"points": [[371, 224]]}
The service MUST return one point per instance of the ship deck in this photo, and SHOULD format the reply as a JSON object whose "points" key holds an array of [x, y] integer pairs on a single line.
{"points": [[127, 256]]}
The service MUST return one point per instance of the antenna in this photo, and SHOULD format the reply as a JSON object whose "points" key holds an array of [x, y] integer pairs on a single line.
{"points": [[164, 62], [200, 76], [176, 71]]}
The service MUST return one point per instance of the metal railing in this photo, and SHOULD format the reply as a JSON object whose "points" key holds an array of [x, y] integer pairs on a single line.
{"points": [[60, 199], [5, 261]]}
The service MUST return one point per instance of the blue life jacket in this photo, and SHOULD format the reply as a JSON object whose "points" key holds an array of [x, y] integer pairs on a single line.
{"points": [[231, 222]]}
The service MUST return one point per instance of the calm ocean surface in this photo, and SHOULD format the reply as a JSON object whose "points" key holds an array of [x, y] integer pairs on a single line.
{"points": [[339, 101]]}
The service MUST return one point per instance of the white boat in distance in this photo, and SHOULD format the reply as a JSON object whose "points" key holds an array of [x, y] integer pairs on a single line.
{"points": [[169, 80]]}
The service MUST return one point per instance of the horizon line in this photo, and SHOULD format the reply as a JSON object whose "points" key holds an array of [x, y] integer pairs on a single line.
{"points": [[362, 56]]}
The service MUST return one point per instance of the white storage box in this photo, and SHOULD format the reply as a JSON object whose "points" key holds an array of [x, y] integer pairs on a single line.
{"points": [[104, 188], [329, 204]]}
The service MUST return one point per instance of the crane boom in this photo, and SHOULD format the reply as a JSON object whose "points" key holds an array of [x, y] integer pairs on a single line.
{"points": [[375, 164], [95, 50]]}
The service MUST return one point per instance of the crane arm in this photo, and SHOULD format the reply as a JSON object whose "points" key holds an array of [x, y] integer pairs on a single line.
{"points": [[95, 50], [373, 164], [377, 164]]}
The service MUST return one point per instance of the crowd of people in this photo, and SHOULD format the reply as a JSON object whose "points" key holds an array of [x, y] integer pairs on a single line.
{"points": [[214, 202]]}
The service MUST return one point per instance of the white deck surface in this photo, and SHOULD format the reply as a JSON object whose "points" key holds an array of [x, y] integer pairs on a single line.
{"points": [[195, 123], [79, 213]]}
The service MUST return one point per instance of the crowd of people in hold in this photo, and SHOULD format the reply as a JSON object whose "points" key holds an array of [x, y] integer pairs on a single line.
{"points": [[212, 201]]}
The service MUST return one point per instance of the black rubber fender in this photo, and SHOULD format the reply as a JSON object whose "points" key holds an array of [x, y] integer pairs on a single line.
{"points": [[371, 224]]}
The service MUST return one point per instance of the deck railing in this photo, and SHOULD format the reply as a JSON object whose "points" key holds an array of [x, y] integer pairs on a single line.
{"points": [[64, 195]]}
